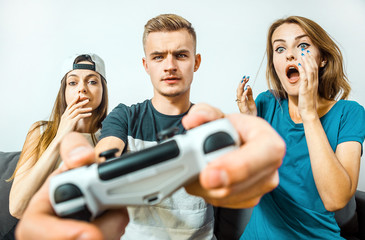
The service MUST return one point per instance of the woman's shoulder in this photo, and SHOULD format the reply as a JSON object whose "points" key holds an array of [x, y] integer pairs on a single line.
{"points": [[267, 97], [348, 106], [41, 125]]}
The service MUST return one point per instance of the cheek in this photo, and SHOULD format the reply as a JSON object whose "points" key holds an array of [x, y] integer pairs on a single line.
{"points": [[69, 95], [277, 66], [98, 94]]}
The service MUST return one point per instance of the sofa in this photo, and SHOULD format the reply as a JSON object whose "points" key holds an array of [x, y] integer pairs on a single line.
{"points": [[229, 224], [8, 161]]}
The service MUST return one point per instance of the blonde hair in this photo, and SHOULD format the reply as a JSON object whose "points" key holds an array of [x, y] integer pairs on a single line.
{"points": [[168, 23], [38, 146], [333, 83]]}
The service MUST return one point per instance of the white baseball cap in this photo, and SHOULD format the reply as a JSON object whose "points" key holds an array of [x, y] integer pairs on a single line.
{"points": [[98, 64]]}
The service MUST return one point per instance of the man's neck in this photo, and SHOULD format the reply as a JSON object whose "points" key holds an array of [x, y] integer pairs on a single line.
{"points": [[171, 105]]}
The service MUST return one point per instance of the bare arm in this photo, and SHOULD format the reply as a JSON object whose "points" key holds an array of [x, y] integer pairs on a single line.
{"points": [[109, 143], [335, 173], [29, 178]]}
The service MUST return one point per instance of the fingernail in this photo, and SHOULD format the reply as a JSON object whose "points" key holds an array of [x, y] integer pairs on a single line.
{"points": [[242, 81], [246, 87], [299, 64], [217, 178], [248, 77], [302, 54], [84, 236], [243, 77], [79, 152]]}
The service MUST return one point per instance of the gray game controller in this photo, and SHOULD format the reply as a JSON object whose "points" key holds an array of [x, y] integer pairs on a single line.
{"points": [[141, 178]]}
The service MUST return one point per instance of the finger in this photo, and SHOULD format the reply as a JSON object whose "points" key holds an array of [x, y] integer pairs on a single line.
{"points": [[39, 220], [241, 87], [244, 96], [79, 111], [74, 101], [302, 75], [312, 69], [240, 200], [199, 114], [262, 149], [81, 116], [78, 105], [249, 94], [113, 223], [76, 151], [253, 187]]}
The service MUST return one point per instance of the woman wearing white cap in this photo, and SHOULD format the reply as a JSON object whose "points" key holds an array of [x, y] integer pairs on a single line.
{"points": [[81, 105]]}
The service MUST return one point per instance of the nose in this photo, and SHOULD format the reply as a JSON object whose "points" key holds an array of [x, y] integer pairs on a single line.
{"points": [[170, 63], [290, 55], [82, 87]]}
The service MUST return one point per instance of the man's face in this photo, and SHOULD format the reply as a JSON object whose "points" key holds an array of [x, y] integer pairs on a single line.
{"points": [[171, 62]]}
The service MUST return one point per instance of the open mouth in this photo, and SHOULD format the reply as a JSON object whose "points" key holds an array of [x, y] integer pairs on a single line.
{"points": [[292, 73]]}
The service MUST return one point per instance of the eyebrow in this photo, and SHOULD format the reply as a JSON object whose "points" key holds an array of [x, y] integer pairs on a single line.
{"points": [[174, 52], [89, 75], [296, 38]]}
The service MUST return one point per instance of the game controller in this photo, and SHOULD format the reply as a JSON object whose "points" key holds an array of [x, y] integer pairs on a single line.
{"points": [[141, 178]]}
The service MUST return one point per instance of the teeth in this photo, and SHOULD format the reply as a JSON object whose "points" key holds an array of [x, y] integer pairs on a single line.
{"points": [[291, 67]]}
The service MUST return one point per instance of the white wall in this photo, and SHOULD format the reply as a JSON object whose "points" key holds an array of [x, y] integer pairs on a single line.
{"points": [[35, 37]]}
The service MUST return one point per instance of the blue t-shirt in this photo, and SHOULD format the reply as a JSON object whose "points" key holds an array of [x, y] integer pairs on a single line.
{"points": [[294, 210]]}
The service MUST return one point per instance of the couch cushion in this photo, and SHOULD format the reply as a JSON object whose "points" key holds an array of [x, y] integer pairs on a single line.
{"points": [[8, 161]]}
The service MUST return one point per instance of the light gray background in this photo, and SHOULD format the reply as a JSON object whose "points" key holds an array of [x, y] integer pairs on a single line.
{"points": [[36, 36]]}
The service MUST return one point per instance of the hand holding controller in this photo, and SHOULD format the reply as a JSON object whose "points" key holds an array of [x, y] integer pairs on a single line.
{"points": [[141, 178]]}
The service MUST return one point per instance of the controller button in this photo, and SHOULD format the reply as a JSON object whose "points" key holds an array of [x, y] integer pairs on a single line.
{"points": [[66, 192], [109, 154], [167, 133], [217, 141], [80, 213]]}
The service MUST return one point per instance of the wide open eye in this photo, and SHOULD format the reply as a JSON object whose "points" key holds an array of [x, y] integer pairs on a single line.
{"points": [[303, 45], [279, 49]]}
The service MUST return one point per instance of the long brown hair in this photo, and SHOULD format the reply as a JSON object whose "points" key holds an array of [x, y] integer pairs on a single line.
{"points": [[333, 83], [51, 127]]}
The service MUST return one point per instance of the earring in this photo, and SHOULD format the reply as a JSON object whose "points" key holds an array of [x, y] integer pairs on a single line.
{"points": [[323, 63]]}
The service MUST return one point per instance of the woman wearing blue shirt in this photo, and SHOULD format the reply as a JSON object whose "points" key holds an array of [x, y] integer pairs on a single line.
{"points": [[323, 133]]}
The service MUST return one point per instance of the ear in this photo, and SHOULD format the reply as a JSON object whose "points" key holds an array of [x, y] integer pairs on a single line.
{"points": [[323, 63], [197, 62], [145, 65]]}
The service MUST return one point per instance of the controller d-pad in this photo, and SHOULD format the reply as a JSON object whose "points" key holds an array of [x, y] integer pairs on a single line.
{"points": [[66, 192], [217, 141]]}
